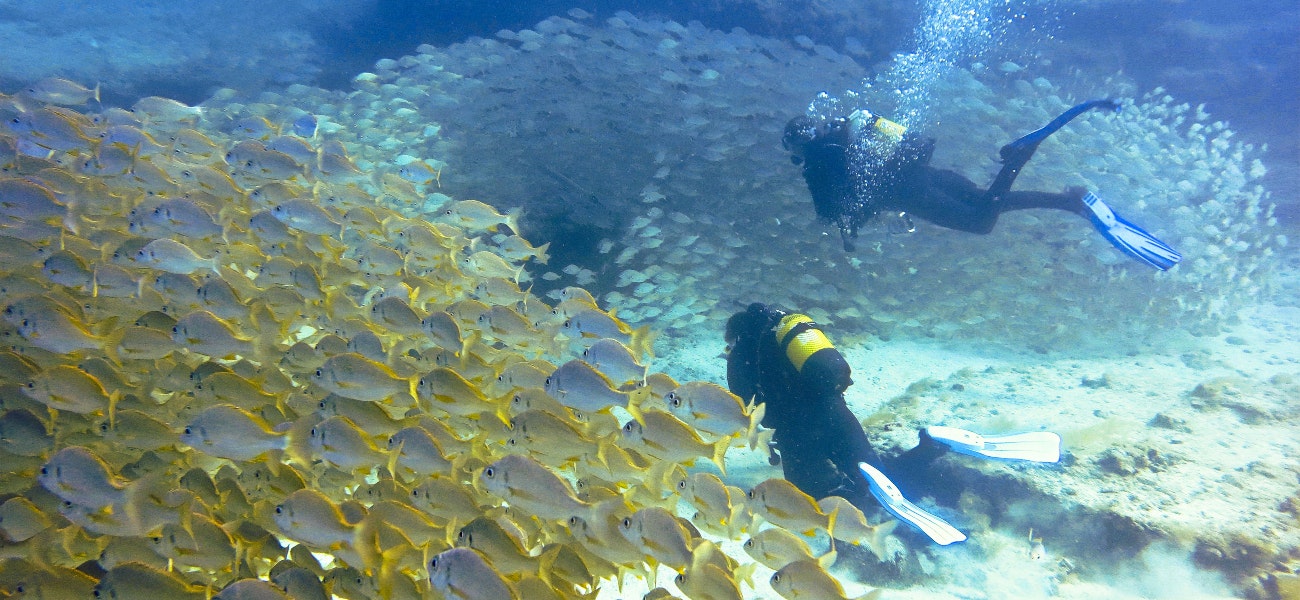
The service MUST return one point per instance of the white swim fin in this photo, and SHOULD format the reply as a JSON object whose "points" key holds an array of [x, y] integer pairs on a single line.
{"points": [[889, 497], [1036, 446], [1129, 238]]}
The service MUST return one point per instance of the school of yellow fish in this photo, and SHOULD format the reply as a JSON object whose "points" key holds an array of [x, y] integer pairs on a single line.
{"points": [[232, 368]]}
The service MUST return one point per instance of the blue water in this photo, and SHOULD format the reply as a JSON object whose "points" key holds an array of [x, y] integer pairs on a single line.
{"points": [[1240, 58]]}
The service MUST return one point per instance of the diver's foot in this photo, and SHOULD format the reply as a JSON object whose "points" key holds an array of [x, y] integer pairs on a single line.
{"points": [[1035, 446], [893, 501], [1129, 238]]}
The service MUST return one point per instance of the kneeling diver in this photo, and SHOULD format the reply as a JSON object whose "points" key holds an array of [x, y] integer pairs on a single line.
{"points": [[788, 363]]}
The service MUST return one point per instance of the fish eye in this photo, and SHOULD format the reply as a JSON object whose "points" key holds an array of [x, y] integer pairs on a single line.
{"points": [[681, 485], [320, 373], [188, 431], [103, 427], [627, 521], [776, 577], [45, 470], [489, 472], [750, 493], [749, 543], [680, 579], [279, 510]]}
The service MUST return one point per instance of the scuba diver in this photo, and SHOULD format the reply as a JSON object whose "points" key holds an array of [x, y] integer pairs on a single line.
{"points": [[864, 165], [784, 360]]}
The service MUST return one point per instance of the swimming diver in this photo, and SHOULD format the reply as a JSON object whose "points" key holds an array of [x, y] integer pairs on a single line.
{"points": [[784, 360], [864, 165]]}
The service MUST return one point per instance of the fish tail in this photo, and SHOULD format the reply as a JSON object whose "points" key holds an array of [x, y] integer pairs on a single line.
{"points": [[879, 533], [113, 399], [635, 399], [642, 341], [720, 452], [472, 338], [393, 456], [111, 342], [756, 415], [512, 219], [542, 256]]}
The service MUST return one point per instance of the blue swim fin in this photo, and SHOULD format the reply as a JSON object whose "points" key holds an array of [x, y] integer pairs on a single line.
{"points": [[1036, 446], [1129, 238], [889, 497]]}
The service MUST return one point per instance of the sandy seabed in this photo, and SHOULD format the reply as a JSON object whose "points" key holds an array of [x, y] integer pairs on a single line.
{"points": [[1178, 463]]}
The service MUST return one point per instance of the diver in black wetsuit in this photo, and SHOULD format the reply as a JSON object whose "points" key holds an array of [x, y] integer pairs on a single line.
{"points": [[785, 361], [864, 165]]}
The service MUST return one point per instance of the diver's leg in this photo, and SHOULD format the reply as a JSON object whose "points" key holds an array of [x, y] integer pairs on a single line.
{"points": [[1070, 200], [1017, 153], [950, 200], [910, 468]]}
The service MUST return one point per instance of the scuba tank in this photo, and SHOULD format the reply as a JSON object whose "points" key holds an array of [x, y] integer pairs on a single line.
{"points": [[863, 119], [821, 367]]}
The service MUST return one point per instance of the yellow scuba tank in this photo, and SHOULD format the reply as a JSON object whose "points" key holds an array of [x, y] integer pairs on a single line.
{"points": [[804, 344], [821, 368], [863, 118]]}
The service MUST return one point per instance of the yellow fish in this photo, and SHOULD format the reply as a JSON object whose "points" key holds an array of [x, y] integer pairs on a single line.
{"points": [[68, 388], [205, 333], [712, 408], [660, 535], [464, 574], [530, 487], [140, 582], [782, 504], [354, 376], [850, 525], [806, 579], [56, 90], [665, 437], [775, 547], [472, 215], [227, 431]]}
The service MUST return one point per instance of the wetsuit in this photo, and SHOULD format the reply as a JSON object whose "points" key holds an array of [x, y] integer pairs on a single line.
{"points": [[787, 362], [849, 193]]}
